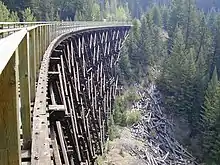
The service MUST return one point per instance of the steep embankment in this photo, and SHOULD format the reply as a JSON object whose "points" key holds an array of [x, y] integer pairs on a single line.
{"points": [[155, 129], [150, 141]]}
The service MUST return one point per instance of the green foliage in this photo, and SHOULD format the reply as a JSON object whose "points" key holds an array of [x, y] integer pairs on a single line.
{"points": [[113, 132], [133, 117], [13, 17], [211, 134], [6, 15], [28, 15], [87, 10], [122, 115], [156, 16], [120, 111], [78, 16], [44, 10], [16, 5], [120, 14], [165, 17], [183, 62], [95, 12]]}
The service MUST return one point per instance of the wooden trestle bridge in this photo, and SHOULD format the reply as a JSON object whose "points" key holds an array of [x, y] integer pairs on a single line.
{"points": [[58, 83]]}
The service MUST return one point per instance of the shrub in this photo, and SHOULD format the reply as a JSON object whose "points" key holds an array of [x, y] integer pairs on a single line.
{"points": [[132, 117], [113, 132], [122, 103]]}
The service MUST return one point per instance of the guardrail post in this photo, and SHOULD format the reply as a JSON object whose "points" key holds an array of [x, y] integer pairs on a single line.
{"points": [[24, 77], [48, 34], [32, 53], [40, 42], [2, 34], [44, 39], [51, 33], [38, 49], [9, 119]]}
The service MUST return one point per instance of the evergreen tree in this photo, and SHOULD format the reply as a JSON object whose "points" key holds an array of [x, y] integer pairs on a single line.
{"points": [[165, 17], [13, 17], [6, 15], [125, 66], [211, 133], [216, 57], [120, 14], [177, 15], [78, 16], [108, 15], [28, 15], [156, 16], [133, 44], [16, 5], [96, 15], [191, 24]]}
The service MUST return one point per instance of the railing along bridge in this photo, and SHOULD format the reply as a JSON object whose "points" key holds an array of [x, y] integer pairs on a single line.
{"points": [[57, 87]]}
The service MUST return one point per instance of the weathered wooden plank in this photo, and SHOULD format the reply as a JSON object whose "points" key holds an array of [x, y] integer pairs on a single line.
{"points": [[55, 147], [56, 107], [26, 163], [25, 154], [61, 136], [32, 66], [40, 43], [6, 50], [74, 124], [62, 87], [43, 46], [40, 149], [85, 79], [9, 122], [37, 48], [63, 75], [24, 76]]}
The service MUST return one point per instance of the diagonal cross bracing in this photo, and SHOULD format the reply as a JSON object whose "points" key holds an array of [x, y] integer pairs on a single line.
{"points": [[82, 84]]}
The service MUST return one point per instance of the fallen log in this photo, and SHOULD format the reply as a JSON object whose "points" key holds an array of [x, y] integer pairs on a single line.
{"points": [[154, 129]]}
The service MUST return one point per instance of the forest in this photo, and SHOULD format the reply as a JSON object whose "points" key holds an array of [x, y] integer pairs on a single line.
{"points": [[177, 46], [55, 10], [173, 43]]}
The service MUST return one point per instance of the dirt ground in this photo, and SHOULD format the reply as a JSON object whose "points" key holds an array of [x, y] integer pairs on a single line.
{"points": [[120, 150]]}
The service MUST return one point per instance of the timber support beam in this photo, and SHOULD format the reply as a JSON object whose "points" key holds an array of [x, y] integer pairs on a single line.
{"points": [[82, 87]]}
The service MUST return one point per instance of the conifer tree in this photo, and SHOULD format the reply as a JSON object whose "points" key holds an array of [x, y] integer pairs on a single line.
{"points": [[177, 15], [95, 12], [216, 57], [156, 16], [6, 15], [165, 17], [211, 138], [28, 15]]}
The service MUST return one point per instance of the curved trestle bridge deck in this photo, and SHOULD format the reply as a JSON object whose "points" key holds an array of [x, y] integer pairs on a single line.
{"points": [[58, 83]]}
